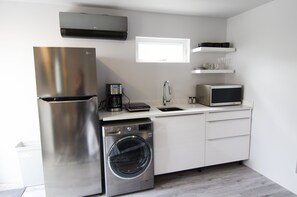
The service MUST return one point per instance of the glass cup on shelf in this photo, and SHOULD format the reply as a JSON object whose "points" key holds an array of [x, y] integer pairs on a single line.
{"points": [[223, 63]]}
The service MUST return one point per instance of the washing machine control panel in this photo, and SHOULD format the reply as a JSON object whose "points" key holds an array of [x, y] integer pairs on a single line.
{"points": [[131, 129]]}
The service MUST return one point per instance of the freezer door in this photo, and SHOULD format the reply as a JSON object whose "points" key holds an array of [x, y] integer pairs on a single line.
{"points": [[71, 149], [65, 72]]}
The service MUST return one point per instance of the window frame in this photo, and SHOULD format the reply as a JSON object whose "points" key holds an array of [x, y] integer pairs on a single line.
{"points": [[162, 40]]}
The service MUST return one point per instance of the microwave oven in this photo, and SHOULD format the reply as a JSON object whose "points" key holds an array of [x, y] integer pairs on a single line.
{"points": [[219, 95]]}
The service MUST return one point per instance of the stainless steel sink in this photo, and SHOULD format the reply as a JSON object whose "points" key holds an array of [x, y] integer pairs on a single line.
{"points": [[168, 109]]}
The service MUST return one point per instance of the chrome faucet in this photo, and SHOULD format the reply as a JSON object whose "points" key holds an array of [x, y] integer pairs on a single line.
{"points": [[166, 92]]}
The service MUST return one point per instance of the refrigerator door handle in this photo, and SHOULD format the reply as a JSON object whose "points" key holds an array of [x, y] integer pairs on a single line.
{"points": [[68, 99]]}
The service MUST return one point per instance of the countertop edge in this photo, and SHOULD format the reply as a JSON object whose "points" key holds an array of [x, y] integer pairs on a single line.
{"points": [[189, 109]]}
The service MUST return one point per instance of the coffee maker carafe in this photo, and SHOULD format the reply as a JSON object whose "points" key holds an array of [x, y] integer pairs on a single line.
{"points": [[114, 97]]}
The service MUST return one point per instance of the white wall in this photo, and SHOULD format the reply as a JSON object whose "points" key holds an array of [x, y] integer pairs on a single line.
{"points": [[266, 63], [24, 25]]}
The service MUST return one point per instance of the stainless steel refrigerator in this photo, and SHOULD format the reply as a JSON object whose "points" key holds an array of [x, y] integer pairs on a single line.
{"points": [[69, 125]]}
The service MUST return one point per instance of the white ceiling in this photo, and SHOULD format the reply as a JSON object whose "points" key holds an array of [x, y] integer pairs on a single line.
{"points": [[210, 8]]}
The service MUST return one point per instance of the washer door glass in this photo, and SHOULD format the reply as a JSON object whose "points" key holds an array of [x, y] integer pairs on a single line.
{"points": [[129, 156]]}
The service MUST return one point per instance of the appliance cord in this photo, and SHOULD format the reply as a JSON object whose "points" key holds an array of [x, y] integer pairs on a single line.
{"points": [[126, 97]]}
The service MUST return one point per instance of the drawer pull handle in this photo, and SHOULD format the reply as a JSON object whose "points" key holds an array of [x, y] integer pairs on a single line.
{"points": [[212, 139]]}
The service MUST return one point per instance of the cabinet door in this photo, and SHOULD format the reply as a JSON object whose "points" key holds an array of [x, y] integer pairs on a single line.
{"points": [[179, 143]]}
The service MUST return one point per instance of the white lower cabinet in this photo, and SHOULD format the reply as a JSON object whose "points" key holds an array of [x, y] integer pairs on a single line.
{"points": [[179, 143], [227, 136], [193, 141]]}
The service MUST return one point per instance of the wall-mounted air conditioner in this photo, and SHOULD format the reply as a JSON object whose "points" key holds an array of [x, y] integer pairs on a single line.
{"points": [[93, 26]]}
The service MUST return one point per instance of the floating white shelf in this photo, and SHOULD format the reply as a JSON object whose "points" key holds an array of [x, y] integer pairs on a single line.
{"points": [[213, 50], [212, 71]]}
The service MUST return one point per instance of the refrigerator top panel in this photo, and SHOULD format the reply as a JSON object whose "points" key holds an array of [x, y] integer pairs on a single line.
{"points": [[65, 72]]}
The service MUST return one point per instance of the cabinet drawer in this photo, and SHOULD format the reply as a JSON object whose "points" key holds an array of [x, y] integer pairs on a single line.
{"points": [[227, 128], [213, 116], [227, 150]]}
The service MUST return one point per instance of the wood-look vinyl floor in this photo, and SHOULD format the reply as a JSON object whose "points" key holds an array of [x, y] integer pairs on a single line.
{"points": [[229, 180]]}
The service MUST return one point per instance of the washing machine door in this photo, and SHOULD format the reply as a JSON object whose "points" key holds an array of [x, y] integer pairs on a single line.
{"points": [[129, 157]]}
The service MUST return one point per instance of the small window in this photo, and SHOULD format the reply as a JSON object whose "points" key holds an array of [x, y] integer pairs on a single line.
{"points": [[166, 50]]}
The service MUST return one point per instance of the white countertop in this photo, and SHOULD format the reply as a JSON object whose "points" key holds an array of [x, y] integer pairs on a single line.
{"points": [[155, 112]]}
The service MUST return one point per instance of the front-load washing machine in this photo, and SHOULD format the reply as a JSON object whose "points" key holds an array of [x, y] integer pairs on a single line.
{"points": [[128, 156]]}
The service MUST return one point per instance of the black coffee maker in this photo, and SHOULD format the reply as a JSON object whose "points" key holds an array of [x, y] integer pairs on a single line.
{"points": [[114, 97]]}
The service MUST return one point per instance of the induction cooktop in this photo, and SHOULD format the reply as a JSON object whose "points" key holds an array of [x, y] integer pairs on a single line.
{"points": [[136, 107]]}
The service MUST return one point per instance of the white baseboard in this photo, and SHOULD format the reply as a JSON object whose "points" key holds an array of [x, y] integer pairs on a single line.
{"points": [[8, 186]]}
